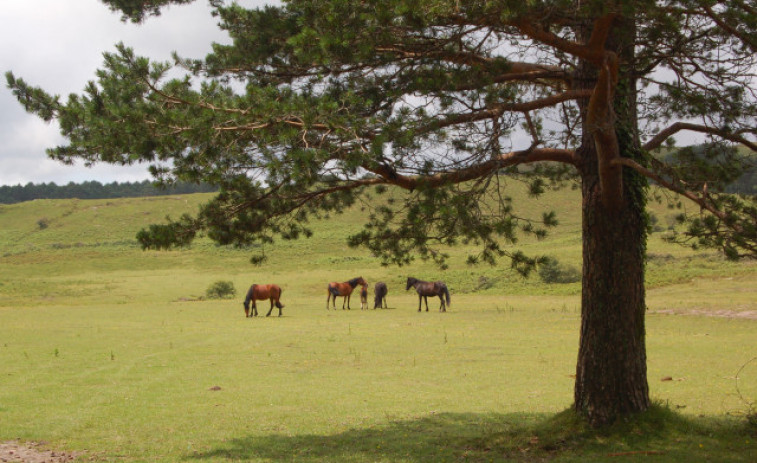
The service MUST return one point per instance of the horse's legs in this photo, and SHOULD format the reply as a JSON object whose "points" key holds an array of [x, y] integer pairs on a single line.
{"points": [[442, 307], [420, 299], [328, 299], [253, 309], [425, 299], [271, 309]]}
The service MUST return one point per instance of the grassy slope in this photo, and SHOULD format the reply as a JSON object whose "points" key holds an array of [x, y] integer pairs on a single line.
{"points": [[102, 349]]}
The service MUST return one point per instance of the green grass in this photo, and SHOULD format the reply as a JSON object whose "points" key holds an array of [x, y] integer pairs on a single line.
{"points": [[106, 349]]}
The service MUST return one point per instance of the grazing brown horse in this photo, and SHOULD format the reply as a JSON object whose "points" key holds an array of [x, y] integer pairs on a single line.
{"points": [[427, 288], [261, 293], [364, 297], [379, 293], [343, 289]]}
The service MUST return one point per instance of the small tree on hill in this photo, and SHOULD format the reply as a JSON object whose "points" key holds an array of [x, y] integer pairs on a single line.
{"points": [[316, 103]]}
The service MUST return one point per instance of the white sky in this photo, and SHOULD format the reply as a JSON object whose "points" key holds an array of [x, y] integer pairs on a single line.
{"points": [[58, 45]]}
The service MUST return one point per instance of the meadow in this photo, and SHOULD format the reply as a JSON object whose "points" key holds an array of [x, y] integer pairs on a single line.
{"points": [[114, 353]]}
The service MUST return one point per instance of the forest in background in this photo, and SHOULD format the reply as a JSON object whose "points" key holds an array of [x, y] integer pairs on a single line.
{"points": [[96, 190]]}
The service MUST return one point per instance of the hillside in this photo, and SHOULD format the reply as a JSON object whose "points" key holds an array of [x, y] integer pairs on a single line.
{"points": [[63, 238]]}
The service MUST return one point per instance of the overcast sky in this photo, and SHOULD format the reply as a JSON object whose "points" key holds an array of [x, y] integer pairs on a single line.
{"points": [[58, 45]]}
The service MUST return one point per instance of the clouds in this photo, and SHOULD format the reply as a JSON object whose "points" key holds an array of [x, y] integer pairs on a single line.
{"points": [[58, 46]]}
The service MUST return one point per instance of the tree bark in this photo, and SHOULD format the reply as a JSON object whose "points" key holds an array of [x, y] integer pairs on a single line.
{"points": [[611, 375]]}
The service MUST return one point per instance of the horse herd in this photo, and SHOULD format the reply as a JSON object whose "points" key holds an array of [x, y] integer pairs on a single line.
{"points": [[345, 289]]}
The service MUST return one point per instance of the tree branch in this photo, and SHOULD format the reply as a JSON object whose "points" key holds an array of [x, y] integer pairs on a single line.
{"points": [[699, 200], [593, 51], [390, 176], [660, 138], [747, 39], [600, 121], [499, 109]]}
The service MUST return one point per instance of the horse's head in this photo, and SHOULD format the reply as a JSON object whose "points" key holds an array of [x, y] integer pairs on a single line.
{"points": [[357, 281], [410, 282], [246, 305]]}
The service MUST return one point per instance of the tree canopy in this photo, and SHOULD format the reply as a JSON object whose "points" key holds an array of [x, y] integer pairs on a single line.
{"points": [[315, 103]]}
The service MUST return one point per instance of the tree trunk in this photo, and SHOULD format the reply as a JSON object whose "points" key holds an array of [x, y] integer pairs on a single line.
{"points": [[611, 375]]}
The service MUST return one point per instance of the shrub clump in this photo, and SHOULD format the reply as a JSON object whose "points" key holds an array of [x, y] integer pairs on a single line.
{"points": [[552, 271], [221, 290]]}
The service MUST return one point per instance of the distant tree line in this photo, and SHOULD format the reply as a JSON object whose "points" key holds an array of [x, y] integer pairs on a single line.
{"points": [[734, 169], [96, 190], [745, 184]]}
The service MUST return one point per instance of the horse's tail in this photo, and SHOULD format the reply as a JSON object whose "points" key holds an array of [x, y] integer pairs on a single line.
{"points": [[446, 293], [279, 305], [334, 290]]}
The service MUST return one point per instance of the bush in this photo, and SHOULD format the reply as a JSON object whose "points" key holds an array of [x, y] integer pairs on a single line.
{"points": [[221, 290], [552, 271], [653, 224]]}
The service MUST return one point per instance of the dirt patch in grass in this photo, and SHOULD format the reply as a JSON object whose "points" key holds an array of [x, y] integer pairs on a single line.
{"points": [[745, 314], [32, 452]]}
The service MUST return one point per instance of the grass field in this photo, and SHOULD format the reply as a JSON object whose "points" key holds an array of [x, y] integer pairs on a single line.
{"points": [[114, 353]]}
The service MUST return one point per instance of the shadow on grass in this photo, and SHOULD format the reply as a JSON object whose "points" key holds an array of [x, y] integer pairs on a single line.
{"points": [[449, 437]]}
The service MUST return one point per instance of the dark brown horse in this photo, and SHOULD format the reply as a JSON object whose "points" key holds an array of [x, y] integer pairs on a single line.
{"points": [[379, 295], [343, 289], [261, 293], [428, 288]]}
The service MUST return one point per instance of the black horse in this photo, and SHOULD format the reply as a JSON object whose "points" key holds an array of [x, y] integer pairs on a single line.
{"points": [[379, 292], [428, 288]]}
